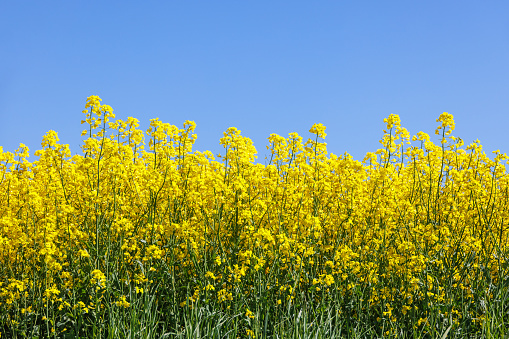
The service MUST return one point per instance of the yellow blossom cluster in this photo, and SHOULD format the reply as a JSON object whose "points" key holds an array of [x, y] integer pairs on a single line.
{"points": [[410, 226]]}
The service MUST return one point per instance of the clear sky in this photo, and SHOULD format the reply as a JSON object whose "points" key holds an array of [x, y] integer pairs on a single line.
{"points": [[261, 66]]}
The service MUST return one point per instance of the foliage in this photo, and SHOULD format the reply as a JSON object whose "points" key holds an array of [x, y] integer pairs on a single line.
{"points": [[163, 242]]}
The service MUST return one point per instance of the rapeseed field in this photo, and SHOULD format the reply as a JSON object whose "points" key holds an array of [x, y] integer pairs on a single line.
{"points": [[142, 237]]}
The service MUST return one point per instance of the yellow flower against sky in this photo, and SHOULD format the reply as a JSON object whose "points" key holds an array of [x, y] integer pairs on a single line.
{"points": [[411, 230]]}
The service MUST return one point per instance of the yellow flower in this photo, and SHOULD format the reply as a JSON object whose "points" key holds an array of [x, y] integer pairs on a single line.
{"points": [[210, 275], [232, 224], [329, 280], [319, 130], [98, 277], [249, 314], [122, 302]]}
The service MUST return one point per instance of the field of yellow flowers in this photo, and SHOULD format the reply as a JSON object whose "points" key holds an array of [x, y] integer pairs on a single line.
{"points": [[142, 237]]}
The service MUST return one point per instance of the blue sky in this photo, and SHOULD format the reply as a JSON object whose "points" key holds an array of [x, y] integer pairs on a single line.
{"points": [[261, 66]]}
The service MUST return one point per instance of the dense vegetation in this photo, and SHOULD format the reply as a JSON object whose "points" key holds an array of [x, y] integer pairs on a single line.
{"points": [[127, 241]]}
